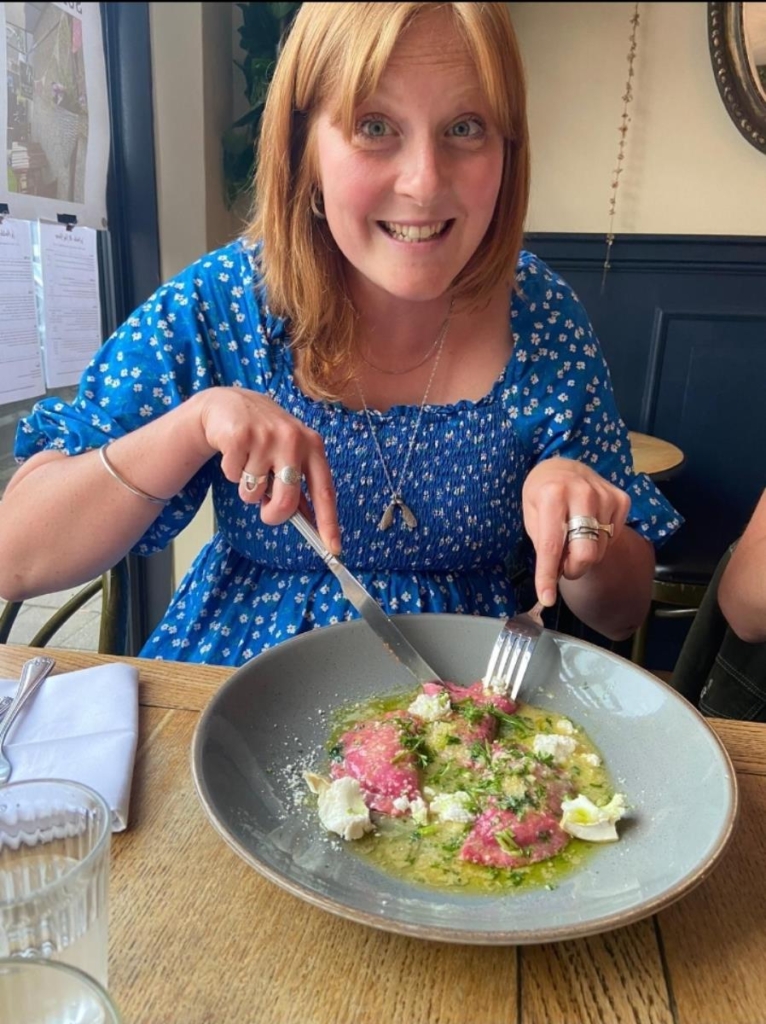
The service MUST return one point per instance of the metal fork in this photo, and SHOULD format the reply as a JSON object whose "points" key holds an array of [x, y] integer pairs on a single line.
{"points": [[33, 673], [512, 652]]}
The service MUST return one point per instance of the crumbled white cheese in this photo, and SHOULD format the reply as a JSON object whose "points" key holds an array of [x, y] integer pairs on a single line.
{"points": [[417, 807], [431, 706], [558, 747], [584, 820], [452, 807], [341, 806], [496, 686], [564, 726]]}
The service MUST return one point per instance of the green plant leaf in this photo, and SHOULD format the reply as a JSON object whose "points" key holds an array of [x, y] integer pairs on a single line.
{"points": [[262, 29], [251, 117]]}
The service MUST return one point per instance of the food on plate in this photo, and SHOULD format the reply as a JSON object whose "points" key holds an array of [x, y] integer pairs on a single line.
{"points": [[455, 786]]}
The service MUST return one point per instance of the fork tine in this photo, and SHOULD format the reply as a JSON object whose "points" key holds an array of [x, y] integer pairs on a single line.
{"points": [[501, 653], [492, 666], [506, 656], [514, 650], [526, 655]]}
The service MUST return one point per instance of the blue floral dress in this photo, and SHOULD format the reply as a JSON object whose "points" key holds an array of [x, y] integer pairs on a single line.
{"points": [[253, 585]]}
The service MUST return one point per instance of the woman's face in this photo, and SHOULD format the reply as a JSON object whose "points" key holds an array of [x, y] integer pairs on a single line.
{"points": [[409, 198]]}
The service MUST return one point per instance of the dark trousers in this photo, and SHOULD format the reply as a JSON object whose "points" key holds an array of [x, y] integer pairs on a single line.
{"points": [[719, 673]]}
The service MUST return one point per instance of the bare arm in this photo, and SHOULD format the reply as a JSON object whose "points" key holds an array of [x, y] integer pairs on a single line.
{"points": [[64, 519], [606, 583], [614, 596], [742, 589]]}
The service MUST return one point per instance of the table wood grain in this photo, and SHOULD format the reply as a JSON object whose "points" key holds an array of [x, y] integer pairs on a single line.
{"points": [[198, 937]]}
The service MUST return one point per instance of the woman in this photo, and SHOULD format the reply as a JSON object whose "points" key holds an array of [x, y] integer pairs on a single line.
{"points": [[377, 336]]}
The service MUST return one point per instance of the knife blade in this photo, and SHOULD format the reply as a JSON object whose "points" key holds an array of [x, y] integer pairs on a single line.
{"points": [[393, 639]]}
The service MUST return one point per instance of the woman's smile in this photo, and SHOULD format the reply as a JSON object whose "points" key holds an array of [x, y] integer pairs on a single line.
{"points": [[417, 233]]}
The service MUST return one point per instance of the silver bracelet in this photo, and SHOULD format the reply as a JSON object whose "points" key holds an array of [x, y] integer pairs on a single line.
{"points": [[121, 480]]}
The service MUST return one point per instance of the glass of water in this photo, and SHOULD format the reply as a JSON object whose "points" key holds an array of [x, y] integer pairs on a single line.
{"points": [[45, 992], [54, 874]]}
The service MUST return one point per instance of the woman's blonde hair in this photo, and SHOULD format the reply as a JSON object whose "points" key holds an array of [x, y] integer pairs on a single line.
{"points": [[333, 57]]}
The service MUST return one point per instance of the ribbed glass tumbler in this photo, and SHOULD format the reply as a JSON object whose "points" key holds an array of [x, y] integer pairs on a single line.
{"points": [[54, 874]]}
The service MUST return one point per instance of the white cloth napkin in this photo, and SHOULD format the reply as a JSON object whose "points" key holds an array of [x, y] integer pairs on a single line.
{"points": [[81, 726]]}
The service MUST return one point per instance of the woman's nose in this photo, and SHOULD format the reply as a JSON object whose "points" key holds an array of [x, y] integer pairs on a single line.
{"points": [[422, 173]]}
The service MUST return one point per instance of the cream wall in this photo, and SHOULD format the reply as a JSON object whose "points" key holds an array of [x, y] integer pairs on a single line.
{"points": [[192, 82], [687, 168]]}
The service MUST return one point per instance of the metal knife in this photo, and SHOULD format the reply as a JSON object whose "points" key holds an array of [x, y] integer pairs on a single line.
{"points": [[394, 641]]}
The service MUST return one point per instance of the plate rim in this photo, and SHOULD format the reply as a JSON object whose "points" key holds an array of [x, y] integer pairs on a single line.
{"points": [[484, 937]]}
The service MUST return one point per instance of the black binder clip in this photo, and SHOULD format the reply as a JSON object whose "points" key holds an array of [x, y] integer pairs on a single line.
{"points": [[67, 218]]}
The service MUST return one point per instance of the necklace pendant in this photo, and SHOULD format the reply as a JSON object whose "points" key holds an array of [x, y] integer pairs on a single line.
{"points": [[387, 519], [408, 515]]}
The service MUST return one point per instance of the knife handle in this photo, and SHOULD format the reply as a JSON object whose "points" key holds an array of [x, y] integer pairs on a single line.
{"points": [[304, 527]]}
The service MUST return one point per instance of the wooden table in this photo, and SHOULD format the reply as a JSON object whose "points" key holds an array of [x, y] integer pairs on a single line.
{"points": [[651, 455], [199, 937]]}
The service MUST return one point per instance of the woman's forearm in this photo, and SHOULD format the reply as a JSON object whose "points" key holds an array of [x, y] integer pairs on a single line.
{"points": [[742, 588], [64, 519], [614, 596]]}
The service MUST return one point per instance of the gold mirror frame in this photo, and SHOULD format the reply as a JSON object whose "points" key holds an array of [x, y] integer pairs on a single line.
{"points": [[742, 95]]}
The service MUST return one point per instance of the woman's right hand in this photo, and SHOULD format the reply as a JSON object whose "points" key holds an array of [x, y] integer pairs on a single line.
{"points": [[256, 436]]}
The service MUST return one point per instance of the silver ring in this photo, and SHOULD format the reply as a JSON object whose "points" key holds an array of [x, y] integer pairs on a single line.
{"points": [[289, 475], [582, 533], [251, 482], [582, 522], [589, 523]]}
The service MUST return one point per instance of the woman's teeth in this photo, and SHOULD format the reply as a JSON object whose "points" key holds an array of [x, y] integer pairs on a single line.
{"points": [[414, 232]]}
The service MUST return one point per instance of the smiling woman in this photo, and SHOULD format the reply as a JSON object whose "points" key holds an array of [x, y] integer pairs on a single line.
{"points": [[379, 344]]}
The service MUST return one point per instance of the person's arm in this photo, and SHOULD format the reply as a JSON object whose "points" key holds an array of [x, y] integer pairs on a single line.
{"points": [[605, 582], [742, 589], [614, 596], [581, 465], [65, 519]]}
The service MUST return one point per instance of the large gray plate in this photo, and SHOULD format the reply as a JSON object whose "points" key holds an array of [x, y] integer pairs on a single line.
{"points": [[272, 718]]}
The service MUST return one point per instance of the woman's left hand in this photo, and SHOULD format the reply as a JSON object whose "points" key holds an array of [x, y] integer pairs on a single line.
{"points": [[554, 492]]}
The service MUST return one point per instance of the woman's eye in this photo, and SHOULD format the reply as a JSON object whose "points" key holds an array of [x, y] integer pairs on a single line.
{"points": [[467, 128], [373, 128]]}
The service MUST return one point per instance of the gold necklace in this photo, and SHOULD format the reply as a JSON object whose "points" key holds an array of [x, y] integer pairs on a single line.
{"points": [[410, 369], [397, 499]]}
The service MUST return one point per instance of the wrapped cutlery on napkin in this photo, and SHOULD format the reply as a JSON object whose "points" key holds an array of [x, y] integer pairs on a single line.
{"points": [[81, 726]]}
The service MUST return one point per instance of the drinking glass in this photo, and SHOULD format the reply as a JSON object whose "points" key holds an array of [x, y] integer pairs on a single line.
{"points": [[45, 992], [54, 874]]}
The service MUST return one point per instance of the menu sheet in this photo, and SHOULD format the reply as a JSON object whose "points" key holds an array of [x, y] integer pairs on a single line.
{"points": [[21, 367]]}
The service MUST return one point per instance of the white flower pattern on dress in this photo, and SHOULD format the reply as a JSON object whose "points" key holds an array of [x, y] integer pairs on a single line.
{"points": [[253, 586]]}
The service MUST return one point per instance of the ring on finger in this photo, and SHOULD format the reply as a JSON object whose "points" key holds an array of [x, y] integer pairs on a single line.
{"points": [[582, 533], [289, 475], [588, 523], [584, 522], [251, 482]]}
